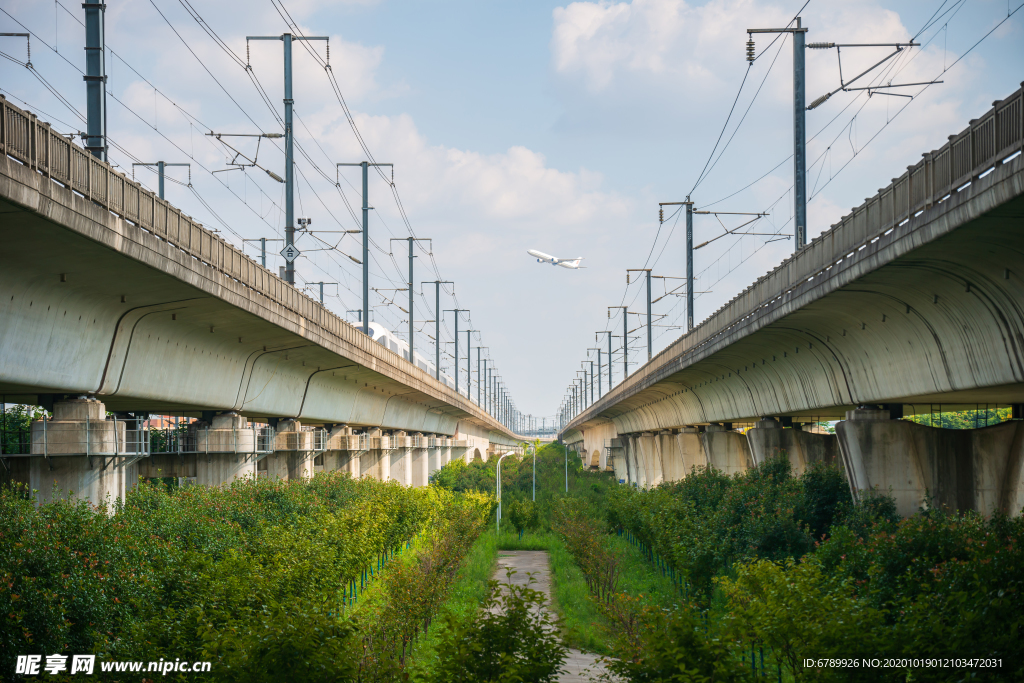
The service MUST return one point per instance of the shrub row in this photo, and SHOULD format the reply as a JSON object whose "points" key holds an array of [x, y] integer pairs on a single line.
{"points": [[256, 576]]}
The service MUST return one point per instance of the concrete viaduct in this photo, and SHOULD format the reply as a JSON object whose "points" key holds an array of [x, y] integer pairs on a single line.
{"points": [[115, 306], [912, 301]]}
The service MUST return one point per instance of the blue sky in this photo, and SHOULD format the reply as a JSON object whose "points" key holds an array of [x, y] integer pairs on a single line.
{"points": [[523, 125]]}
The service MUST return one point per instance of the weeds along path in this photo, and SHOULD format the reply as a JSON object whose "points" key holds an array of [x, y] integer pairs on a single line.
{"points": [[580, 666]]}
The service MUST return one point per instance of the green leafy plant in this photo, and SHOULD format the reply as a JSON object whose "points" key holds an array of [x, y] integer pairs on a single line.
{"points": [[514, 639]]}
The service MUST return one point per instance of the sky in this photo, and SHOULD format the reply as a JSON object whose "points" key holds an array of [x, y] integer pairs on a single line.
{"points": [[520, 125]]}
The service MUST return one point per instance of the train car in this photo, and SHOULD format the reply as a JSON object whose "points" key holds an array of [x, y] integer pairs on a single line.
{"points": [[388, 340]]}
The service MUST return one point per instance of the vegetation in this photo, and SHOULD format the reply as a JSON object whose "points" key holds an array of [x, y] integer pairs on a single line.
{"points": [[260, 577], [511, 639], [784, 568], [963, 419]]}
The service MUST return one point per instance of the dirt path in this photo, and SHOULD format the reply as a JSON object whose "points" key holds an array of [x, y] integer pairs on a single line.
{"points": [[581, 666]]}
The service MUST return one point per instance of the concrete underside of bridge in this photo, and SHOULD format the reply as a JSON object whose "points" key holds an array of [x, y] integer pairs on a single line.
{"points": [[92, 305], [930, 313]]}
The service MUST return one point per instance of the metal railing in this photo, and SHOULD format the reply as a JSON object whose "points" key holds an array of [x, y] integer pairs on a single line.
{"points": [[189, 439]]}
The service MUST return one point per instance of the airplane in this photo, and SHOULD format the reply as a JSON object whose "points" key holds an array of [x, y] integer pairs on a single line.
{"points": [[554, 260]]}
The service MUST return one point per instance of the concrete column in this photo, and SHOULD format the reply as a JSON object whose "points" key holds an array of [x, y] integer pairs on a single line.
{"points": [[333, 458], [651, 456], [690, 447], [80, 454], [293, 452], [420, 463], [672, 465], [768, 437], [226, 450], [727, 450], [399, 459], [961, 469]]}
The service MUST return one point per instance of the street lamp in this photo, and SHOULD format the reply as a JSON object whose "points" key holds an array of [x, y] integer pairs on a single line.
{"points": [[498, 527]]}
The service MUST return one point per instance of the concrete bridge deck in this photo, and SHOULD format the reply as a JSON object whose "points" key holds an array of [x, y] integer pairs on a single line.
{"points": [[109, 292], [913, 298]]}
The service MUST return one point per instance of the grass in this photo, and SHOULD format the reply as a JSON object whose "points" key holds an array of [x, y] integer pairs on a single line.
{"points": [[583, 625], [467, 594], [640, 577]]}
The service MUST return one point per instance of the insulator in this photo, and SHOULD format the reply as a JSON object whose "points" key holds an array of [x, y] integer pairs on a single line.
{"points": [[661, 214], [750, 50], [820, 46], [820, 101]]}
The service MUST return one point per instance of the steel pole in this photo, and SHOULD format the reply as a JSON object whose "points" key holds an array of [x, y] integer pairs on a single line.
{"points": [[263, 251], [411, 301], [160, 178], [799, 141], [625, 344], [289, 171], [469, 366], [366, 247], [649, 328], [609, 360], [689, 264], [592, 382], [479, 377], [599, 392], [95, 78], [437, 330]]}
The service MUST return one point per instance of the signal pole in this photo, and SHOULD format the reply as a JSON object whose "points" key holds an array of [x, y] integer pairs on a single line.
{"points": [[469, 368], [598, 349], [479, 377], [366, 233], [289, 147], [608, 332], [649, 338], [437, 323], [456, 311], [95, 78], [625, 340], [799, 126], [411, 290]]}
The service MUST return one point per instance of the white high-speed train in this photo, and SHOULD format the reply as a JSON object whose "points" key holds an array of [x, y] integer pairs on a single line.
{"points": [[387, 339]]}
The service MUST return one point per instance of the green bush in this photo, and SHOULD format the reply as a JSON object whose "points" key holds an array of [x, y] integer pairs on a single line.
{"points": [[512, 640], [258, 577]]}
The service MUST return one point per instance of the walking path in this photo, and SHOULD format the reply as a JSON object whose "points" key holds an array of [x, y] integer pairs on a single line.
{"points": [[581, 666]]}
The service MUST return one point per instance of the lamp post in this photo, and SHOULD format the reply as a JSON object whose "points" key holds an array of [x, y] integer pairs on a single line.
{"points": [[498, 529]]}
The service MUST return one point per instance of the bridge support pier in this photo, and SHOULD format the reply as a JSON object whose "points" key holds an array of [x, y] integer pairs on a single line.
{"points": [[420, 462], [960, 469], [642, 470], [226, 451], [399, 460], [681, 452], [768, 437], [293, 453], [727, 450], [78, 453]]}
